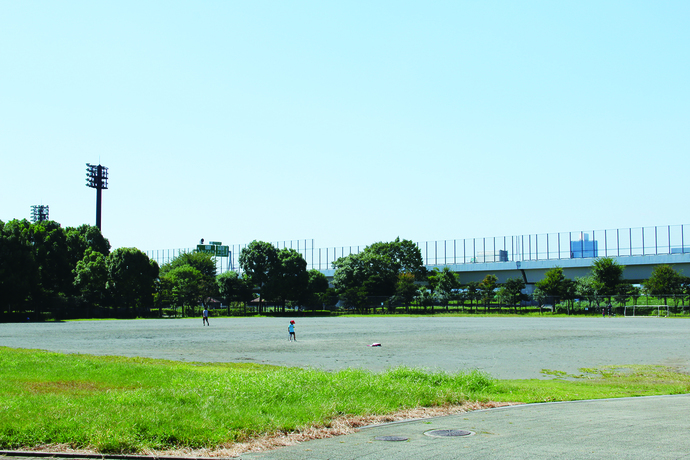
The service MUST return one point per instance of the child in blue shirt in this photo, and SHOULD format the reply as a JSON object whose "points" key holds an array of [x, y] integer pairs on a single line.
{"points": [[291, 330]]}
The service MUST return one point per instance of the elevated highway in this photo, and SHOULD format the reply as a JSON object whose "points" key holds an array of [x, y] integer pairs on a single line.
{"points": [[637, 268]]}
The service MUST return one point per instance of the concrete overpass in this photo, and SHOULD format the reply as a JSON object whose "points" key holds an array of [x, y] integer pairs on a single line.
{"points": [[637, 268]]}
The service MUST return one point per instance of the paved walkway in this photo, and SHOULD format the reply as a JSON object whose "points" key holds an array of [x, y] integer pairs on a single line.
{"points": [[628, 428]]}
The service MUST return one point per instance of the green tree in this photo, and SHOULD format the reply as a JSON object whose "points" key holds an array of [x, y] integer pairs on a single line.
{"points": [[131, 281], [539, 296], [514, 288], [569, 293], [258, 261], [186, 284], [433, 278], [588, 287], [685, 289], [205, 264], [473, 293], [50, 246], [355, 297], [350, 271], [315, 295], [19, 272], [635, 293], [233, 288], [405, 291], [37, 263], [358, 276], [425, 297], [624, 291], [503, 296], [55, 281], [376, 268], [404, 256], [90, 279], [663, 282], [380, 274], [552, 284], [444, 283], [488, 290], [85, 237], [608, 273], [163, 297], [289, 278]]}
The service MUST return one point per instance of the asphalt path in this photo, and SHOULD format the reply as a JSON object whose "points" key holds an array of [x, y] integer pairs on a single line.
{"points": [[622, 429]]}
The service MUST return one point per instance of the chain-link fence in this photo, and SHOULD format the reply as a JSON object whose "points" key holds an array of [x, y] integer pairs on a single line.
{"points": [[637, 241]]}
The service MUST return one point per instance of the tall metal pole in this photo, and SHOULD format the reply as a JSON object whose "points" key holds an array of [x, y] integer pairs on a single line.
{"points": [[98, 201], [97, 177]]}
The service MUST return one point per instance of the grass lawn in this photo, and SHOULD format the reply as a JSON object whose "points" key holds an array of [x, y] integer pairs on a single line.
{"points": [[129, 405]]}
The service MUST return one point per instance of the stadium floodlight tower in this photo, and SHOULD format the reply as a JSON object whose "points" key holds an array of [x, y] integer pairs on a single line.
{"points": [[97, 177], [39, 213]]}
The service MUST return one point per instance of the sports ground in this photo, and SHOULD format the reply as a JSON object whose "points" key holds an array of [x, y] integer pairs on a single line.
{"points": [[508, 348]]}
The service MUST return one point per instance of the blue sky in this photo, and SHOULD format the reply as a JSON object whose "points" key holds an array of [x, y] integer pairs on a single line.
{"points": [[345, 122]]}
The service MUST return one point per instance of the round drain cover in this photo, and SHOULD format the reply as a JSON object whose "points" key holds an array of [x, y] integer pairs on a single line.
{"points": [[446, 433], [391, 438]]}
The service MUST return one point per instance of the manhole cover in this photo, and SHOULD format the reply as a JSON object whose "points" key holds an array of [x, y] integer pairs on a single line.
{"points": [[447, 433], [391, 438]]}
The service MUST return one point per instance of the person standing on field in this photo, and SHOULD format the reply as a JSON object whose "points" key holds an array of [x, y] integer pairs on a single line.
{"points": [[291, 332], [204, 317]]}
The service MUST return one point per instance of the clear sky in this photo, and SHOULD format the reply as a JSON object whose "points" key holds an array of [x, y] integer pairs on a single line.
{"points": [[345, 122]]}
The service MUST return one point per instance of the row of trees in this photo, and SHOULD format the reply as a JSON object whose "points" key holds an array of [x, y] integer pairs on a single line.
{"points": [[70, 272], [392, 275], [279, 275], [50, 271], [605, 282]]}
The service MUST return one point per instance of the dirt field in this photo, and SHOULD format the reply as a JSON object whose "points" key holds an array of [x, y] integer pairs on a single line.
{"points": [[504, 347]]}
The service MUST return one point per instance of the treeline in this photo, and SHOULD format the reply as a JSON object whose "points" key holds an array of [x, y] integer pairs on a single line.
{"points": [[605, 284], [47, 272], [391, 276], [50, 272], [278, 277]]}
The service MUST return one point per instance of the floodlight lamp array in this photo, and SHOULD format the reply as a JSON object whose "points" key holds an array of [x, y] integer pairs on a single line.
{"points": [[39, 213], [96, 176]]}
